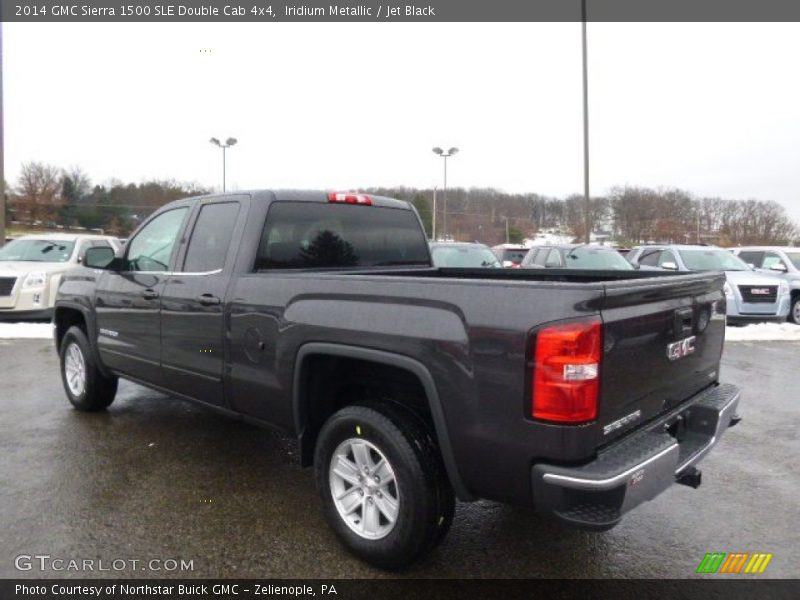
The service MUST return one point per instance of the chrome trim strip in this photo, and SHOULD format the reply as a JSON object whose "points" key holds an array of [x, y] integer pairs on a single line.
{"points": [[172, 273], [579, 482]]}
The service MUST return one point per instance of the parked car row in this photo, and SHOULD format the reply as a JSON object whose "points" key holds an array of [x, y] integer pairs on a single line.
{"points": [[762, 283], [31, 267]]}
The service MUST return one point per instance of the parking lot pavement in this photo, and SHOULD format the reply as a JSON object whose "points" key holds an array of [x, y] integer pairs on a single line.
{"points": [[158, 478]]}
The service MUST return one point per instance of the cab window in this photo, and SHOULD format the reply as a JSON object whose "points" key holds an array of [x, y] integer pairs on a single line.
{"points": [[211, 237], [152, 247]]}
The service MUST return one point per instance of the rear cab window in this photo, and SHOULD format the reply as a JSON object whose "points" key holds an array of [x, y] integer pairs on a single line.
{"points": [[314, 235]]}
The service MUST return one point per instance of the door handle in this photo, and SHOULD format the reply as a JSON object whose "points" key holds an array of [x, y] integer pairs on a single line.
{"points": [[208, 300], [149, 294]]}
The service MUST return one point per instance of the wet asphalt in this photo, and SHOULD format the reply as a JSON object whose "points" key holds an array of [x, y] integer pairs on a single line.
{"points": [[159, 478]]}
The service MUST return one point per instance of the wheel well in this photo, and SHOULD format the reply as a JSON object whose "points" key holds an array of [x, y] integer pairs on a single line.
{"points": [[329, 383], [66, 318]]}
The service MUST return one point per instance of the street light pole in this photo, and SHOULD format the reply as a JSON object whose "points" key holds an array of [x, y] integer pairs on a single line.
{"points": [[445, 155], [228, 143], [587, 201], [433, 224], [2, 153]]}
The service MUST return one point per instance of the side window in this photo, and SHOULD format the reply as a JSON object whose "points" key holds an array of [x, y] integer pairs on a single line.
{"points": [[752, 257], [211, 237], [530, 257], [85, 245], [553, 259], [541, 256], [666, 256], [772, 259], [152, 247], [650, 258]]}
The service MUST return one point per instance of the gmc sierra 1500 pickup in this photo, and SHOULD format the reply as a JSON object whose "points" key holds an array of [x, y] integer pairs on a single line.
{"points": [[580, 393]]}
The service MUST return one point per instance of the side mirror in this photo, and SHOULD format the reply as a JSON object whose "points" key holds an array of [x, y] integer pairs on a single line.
{"points": [[100, 258], [780, 267], [669, 266]]}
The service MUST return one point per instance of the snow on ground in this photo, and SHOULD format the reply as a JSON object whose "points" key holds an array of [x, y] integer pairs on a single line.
{"points": [[757, 332], [763, 332], [11, 331]]}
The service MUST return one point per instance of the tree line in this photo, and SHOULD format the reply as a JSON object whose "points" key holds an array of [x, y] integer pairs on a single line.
{"points": [[48, 196], [627, 214]]}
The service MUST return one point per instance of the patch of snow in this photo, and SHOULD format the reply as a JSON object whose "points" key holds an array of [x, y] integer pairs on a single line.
{"points": [[763, 332], [17, 331]]}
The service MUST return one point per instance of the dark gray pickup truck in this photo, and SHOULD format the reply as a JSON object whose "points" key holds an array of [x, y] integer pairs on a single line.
{"points": [[579, 393]]}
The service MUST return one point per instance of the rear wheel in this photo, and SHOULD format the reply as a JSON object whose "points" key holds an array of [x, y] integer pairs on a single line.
{"points": [[382, 483], [86, 387]]}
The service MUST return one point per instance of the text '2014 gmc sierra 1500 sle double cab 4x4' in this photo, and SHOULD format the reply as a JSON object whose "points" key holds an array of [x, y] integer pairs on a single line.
{"points": [[580, 393]]}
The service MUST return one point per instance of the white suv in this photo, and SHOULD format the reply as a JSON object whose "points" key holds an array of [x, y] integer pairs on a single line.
{"points": [[31, 267]]}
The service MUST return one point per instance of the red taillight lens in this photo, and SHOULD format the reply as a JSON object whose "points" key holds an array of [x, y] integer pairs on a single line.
{"points": [[566, 372], [348, 198]]}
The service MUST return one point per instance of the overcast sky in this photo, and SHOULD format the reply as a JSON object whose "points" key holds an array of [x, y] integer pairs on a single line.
{"points": [[712, 108]]}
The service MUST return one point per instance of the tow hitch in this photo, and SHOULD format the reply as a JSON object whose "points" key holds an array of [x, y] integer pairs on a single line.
{"points": [[734, 421], [691, 477]]}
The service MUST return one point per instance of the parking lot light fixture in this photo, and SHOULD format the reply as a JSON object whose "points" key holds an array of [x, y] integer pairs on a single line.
{"points": [[445, 155], [231, 141]]}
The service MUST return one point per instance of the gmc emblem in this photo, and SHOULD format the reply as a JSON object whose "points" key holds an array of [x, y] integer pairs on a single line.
{"points": [[760, 291], [681, 348]]}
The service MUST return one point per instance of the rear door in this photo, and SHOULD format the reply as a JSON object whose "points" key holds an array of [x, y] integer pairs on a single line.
{"points": [[193, 302], [662, 344]]}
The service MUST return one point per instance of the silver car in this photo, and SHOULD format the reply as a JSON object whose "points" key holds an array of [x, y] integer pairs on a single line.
{"points": [[31, 268], [751, 295], [783, 261]]}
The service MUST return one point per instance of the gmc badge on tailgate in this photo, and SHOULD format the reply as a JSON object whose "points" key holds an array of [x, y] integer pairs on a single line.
{"points": [[681, 348]]}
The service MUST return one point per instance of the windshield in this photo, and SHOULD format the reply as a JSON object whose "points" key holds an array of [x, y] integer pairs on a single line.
{"points": [[595, 258], [712, 260], [464, 257], [795, 258], [37, 251]]}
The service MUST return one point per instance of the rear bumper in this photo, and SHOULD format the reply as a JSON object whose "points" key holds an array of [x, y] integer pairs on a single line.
{"points": [[638, 467]]}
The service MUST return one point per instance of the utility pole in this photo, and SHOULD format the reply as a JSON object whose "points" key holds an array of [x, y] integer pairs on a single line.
{"points": [[587, 200], [698, 227], [445, 156], [507, 238], [2, 153], [433, 225]]}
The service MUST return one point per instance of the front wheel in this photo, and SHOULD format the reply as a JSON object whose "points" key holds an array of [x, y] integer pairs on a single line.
{"points": [[86, 387], [794, 313], [382, 482]]}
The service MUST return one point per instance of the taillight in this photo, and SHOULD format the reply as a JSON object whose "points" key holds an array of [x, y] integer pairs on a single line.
{"points": [[566, 370], [348, 198]]}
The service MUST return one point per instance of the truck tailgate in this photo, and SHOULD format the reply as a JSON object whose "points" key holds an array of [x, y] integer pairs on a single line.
{"points": [[662, 342]]}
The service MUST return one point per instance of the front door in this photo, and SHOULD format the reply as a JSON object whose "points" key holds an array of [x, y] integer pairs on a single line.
{"points": [[193, 304], [129, 301]]}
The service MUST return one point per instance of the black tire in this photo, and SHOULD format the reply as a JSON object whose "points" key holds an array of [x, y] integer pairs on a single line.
{"points": [[98, 391], [426, 501], [794, 311]]}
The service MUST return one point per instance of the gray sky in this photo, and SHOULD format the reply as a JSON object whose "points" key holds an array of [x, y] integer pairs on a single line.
{"points": [[712, 108]]}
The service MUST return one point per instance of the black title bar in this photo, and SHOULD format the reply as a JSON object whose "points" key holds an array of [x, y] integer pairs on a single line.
{"points": [[390, 10], [347, 589]]}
